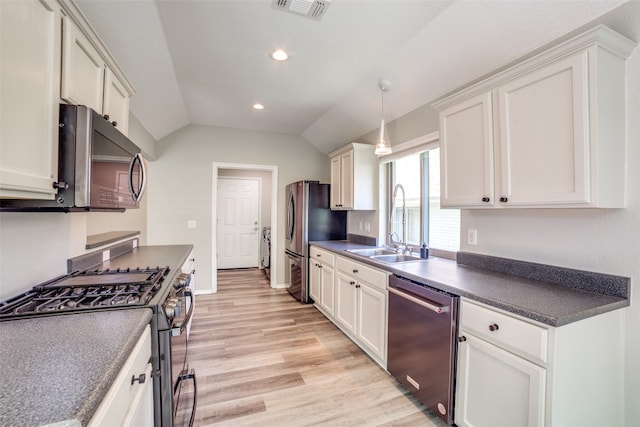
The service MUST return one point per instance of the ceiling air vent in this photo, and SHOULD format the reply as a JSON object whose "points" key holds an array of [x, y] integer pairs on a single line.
{"points": [[314, 9]]}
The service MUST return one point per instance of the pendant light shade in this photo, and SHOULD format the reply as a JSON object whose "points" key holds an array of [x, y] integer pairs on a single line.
{"points": [[383, 146]]}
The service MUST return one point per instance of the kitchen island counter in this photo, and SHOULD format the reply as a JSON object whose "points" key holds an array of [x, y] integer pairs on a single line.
{"points": [[58, 369], [551, 295]]}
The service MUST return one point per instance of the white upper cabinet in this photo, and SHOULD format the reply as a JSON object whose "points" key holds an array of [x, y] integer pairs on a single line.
{"points": [[547, 132], [49, 53], [544, 141], [30, 81], [467, 127], [354, 177], [82, 69], [88, 80], [116, 102]]}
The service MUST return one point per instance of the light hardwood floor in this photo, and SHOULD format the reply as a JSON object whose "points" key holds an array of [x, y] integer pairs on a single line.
{"points": [[263, 359]]}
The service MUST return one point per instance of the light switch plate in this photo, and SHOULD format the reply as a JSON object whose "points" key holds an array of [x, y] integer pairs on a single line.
{"points": [[192, 223]]}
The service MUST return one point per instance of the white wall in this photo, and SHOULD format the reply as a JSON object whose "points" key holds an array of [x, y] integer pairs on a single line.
{"points": [[182, 178], [34, 247]]}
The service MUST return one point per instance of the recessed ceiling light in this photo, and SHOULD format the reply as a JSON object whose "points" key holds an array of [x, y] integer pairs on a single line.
{"points": [[258, 106], [279, 55]]}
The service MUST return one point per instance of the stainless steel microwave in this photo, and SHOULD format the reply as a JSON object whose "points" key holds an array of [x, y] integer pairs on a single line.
{"points": [[99, 168]]}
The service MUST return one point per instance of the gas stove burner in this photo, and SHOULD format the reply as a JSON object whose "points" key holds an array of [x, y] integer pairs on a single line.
{"points": [[87, 290]]}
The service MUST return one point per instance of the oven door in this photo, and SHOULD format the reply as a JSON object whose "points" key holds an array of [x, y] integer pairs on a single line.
{"points": [[183, 379]]}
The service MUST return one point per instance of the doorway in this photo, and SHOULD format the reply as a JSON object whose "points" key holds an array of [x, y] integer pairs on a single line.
{"points": [[238, 222], [268, 174]]}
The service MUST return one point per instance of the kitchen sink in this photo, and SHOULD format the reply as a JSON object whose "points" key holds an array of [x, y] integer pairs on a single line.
{"points": [[395, 258], [371, 252]]}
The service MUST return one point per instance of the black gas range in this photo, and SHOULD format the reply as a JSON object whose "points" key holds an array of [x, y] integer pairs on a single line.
{"points": [[88, 290], [172, 304]]}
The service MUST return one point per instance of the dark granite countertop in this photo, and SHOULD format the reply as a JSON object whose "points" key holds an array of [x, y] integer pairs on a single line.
{"points": [[551, 295], [58, 369]]}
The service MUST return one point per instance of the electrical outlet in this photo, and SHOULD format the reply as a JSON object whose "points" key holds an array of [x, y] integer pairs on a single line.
{"points": [[192, 223], [472, 237]]}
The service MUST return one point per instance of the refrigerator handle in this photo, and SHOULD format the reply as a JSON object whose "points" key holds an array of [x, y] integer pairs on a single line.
{"points": [[291, 210]]}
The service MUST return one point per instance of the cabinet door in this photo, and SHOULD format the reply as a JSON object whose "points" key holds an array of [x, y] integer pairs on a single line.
{"points": [[127, 402], [466, 153], [116, 102], [336, 197], [372, 319], [544, 141], [30, 82], [327, 288], [346, 179], [314, 280], [141, 410], [82, 69], [496, 388], [346, 301]]}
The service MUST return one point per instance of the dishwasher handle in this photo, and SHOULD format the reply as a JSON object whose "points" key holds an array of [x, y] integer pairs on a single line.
{"points": [[437, 308]]}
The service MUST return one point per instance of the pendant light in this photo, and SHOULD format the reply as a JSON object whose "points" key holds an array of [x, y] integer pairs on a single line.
{"points": [[383, 146]]}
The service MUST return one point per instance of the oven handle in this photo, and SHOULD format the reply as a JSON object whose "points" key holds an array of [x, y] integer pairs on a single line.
{"points": [[179, 328], [435, 308], [191, 375]]}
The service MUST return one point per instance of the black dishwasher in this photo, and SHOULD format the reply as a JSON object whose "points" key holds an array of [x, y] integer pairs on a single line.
{"points": [[422, 343]]}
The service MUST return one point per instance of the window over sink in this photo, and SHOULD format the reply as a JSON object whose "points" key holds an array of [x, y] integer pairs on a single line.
{"points": [[418, 171]]}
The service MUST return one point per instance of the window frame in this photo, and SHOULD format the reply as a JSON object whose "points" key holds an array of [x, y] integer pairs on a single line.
{"points": [[422, 145]]}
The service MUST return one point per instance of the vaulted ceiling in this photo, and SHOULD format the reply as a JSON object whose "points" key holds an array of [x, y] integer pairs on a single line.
{"points": [[207, 61]]}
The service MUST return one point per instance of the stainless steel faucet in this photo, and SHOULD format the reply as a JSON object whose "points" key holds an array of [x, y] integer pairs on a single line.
{"points": [[404, 218]]}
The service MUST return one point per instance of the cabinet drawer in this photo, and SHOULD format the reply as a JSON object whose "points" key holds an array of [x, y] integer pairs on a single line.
{"points": [[115, 406], [323, 256], [363, 272], [518, 336]]}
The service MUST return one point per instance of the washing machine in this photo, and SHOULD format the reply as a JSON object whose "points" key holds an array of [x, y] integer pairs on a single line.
{"points": [[265, 251]]}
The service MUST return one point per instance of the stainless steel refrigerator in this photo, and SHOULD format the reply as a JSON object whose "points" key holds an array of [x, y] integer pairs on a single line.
{"points": [[308, 218]]}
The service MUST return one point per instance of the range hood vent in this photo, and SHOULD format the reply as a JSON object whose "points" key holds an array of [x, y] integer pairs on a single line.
{"points": [[313, 9]]}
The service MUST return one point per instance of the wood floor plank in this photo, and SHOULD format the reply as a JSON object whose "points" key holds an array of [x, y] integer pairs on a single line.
{"points": [[263, 359]]}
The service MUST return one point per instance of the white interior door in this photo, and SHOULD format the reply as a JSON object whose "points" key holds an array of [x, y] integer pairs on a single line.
{"points": [[238, 225]]}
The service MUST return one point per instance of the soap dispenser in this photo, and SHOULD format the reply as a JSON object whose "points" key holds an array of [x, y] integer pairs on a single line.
{"points": [[424, 251]]}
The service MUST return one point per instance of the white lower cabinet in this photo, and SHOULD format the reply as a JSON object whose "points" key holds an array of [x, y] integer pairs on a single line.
{"points": [[512, 371], [497, 388], [321, 279], [129, 401], [361, 306], [354, 297]]}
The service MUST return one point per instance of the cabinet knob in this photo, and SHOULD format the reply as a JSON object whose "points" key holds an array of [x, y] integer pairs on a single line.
{"points": [[141, 379], [319, 265], [504, 199], [493, 327], [318, 255], [106, 117], [61, 185], [352, 282], [114, 123], [485, 199], [355, 271], [462, 338], [357, 286]]}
